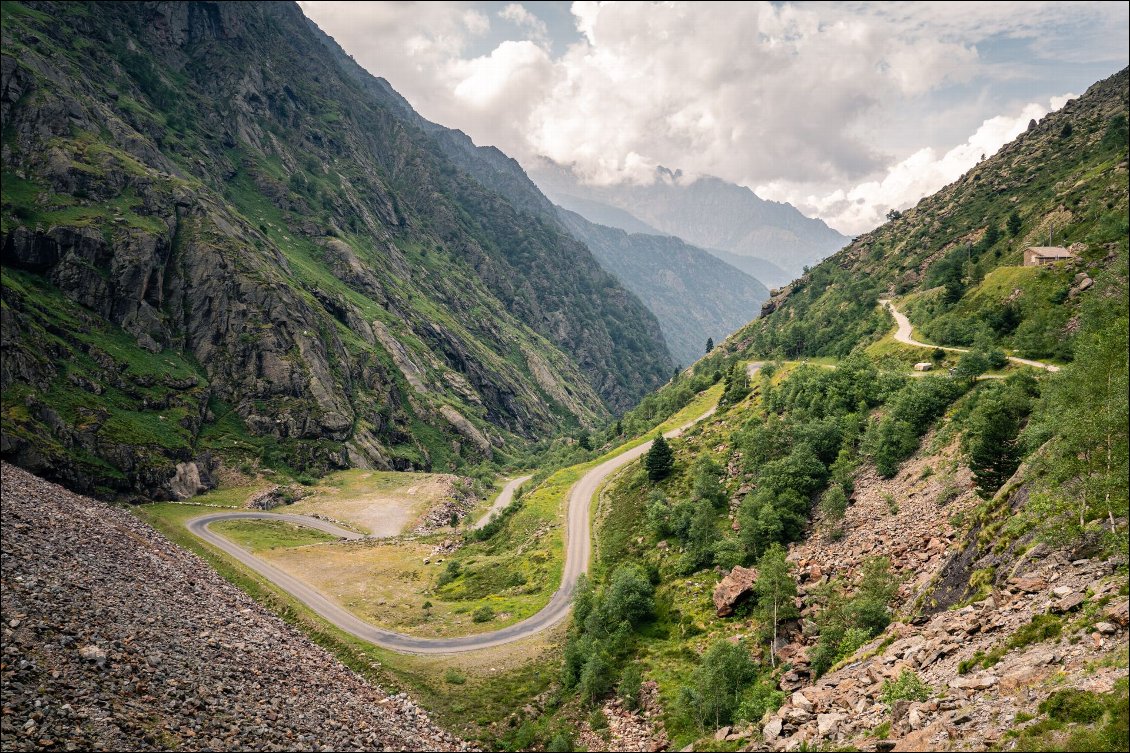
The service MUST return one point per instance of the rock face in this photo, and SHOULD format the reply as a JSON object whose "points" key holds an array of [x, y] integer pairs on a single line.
{"points": [[733, 588], [116, 639], [220, 240]]}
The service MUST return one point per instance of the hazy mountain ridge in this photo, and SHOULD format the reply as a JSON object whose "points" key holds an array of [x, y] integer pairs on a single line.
{"points": [[694, 295], [706, 212]]}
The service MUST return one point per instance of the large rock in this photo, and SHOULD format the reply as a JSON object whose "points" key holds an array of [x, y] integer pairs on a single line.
{"points": [[733, 588]]}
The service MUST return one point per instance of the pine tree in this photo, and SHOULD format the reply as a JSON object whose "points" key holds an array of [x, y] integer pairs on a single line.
{"points": [[1014, 224], [660, 460], [709, 344]]}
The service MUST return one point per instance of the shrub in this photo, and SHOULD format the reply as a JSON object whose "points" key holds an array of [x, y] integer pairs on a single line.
{"points": [[1072, 705], [454, 677], [908, 687], [483, 614], [1042, 627]]}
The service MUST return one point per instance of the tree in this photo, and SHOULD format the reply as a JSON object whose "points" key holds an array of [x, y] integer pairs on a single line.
{"points": [[1014, 223], [776, 592], [1084, 408], [737, 385], [833, 503], [894, 214], [628, 596], [717, 684], [707, 484], [709, 344], [660, 460]]}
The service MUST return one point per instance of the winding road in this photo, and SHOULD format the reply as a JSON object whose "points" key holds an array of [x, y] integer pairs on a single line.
{"points": [[504, 498], [578, 551], [905, 334]]}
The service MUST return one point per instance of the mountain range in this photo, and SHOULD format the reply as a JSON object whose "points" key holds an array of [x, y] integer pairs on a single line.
{"points": [[769, 240]]}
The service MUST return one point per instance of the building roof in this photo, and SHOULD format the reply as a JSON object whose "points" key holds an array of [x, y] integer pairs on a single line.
{"points": [[1055, 252]]}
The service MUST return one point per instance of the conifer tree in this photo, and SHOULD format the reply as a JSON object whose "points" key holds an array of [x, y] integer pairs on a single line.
{"points": [[660, 460]]}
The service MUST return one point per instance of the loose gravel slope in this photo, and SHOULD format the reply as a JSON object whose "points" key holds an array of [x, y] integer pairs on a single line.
{"points": [[115, 638]]}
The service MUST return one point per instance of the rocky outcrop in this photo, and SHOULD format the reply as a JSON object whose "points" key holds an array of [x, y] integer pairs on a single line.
{"points": [[972, 697], [737, 585], [116, 639]]}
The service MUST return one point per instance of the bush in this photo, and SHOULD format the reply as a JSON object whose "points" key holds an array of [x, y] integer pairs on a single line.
{"points": [[561, 742], [1072, 705], [908, 687], [483, 614], [1042, 627], [454, 677]]}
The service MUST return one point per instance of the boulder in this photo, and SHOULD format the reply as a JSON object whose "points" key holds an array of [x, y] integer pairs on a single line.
{"points": [[827, 724], [1067, 604], [772, 730], [733, 588]]}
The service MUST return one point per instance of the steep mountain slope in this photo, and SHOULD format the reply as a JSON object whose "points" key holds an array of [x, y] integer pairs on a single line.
{"points": [[218, 241], [709, 213], [696, 306], [957, 256], [694, 295], [853, 554]]}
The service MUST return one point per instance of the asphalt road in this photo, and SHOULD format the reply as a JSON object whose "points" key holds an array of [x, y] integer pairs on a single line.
{"points": [[577, 553], [504, 498], [905, 334]]}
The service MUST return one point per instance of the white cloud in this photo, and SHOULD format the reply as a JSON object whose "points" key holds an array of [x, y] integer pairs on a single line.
{"points": [[864, 206], [844, 108], [519, 16]]}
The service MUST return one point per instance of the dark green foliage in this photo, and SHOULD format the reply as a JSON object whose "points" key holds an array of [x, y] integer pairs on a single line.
{"points": [[716, 686], [737, 386], [776, 594], [660, 460], [1116, 134], [561, 742], [603, 630], [482, 614], [709, 345], [629, 687], [833, 504], [1014, 223], [991, 437], [1071, 705], [706, 483], [911, 412]]}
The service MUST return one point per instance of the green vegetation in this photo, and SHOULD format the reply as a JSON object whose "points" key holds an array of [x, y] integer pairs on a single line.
{"points": [[1079, 720], [847, 622], [659, 460], [776, 593], [907, 687], [261, 535]]}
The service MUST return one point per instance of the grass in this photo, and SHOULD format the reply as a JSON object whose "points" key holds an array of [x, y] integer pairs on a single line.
{"points": [[263, 535], [1080, 720]]}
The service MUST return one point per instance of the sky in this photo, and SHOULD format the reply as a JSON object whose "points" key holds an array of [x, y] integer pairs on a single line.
{"points": [[845, 110]]}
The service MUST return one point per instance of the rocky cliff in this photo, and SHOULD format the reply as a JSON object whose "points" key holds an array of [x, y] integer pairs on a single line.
{"points": [[219, 241]]}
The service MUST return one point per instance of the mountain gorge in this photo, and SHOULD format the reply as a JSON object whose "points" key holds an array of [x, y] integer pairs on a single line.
{"points": [[219, 241], [768, 240], [694, 295]]}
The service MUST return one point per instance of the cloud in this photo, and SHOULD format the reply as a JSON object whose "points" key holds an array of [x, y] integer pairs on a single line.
{"points": [[842, 107], [519, 16], [863, 206]]}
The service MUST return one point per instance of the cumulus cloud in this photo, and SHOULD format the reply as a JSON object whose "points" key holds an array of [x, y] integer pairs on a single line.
{"points": [[864, 206], [846, 109]]}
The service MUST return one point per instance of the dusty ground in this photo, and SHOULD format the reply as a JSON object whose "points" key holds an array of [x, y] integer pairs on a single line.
{"points": [[376, 502]]}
